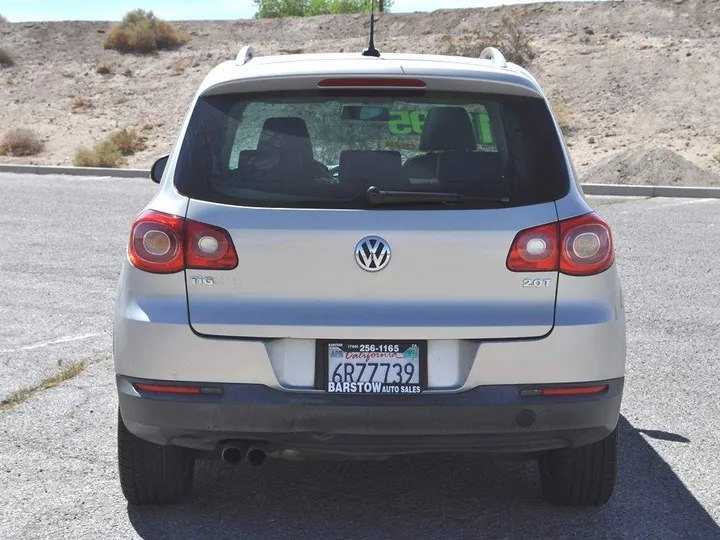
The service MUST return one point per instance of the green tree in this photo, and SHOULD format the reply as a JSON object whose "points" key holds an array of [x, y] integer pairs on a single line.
{"points": [[269, 9]]}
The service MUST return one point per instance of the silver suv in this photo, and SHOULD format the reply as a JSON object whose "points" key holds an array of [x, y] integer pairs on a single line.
{"points": [[368, 256]]}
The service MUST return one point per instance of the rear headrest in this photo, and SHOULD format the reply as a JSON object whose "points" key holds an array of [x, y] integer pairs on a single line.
{"points": [[370, 166], [447, 129], [270, 166], [286, 133], [470, 168]]}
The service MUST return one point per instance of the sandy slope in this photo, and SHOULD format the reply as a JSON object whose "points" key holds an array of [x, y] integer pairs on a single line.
{"points": [[632, 74]]}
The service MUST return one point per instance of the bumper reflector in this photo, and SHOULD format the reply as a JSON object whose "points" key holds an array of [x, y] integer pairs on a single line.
{"points": [[566, 391], [168, 389]]}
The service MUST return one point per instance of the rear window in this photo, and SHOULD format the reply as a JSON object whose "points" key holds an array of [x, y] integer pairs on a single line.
{"points": [[325, 150]]}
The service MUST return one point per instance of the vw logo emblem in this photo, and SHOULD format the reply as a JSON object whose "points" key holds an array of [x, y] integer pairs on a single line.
{"points": [[372, 253]]}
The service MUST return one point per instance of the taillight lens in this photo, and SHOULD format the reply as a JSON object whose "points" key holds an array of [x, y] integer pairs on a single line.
{"points": [[156, 243], [586, 246], [209, 247], [535, 250], [163, 244], [579, 246]]}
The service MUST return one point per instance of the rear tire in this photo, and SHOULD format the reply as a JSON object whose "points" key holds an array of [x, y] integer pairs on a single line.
{"points": [[150, 473], [583, 476]]}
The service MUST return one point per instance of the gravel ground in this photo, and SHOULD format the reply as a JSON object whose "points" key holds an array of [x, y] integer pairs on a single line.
{"points": [[57, 449]]}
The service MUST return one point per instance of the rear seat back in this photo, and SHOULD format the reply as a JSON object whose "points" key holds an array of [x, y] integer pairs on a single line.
{"points": [[481, 168], [371, 166]]}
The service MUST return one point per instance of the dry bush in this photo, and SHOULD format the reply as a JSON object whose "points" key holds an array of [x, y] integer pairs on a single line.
{"points": [[104, 68], [128, 141], [142, 32], [128, 71], [178, 67], [121, 101], [21, 142], [513, 39], [563, 113], [6, 58], [3, 20], [81, 104], [509, 35], [147, 127], [103, 154]]}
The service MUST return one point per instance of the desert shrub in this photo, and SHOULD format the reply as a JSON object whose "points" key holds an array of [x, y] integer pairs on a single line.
{"points": [[104, 68], [177, 68], [142, 32], [128, 141], [270, 9], [21, 142], [3, 20], [6, 58], [81, 104], [102, 154], [128, 71], [509, 35], [563, 113]]}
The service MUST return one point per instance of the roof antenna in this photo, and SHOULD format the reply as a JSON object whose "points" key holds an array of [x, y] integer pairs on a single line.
{"points": [[371, 50]]}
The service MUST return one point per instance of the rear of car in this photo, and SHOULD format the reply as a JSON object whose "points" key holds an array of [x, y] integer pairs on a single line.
{"points": [[369, 257]]}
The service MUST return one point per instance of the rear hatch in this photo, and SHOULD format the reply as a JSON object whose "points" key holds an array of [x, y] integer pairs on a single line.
{"points": [[287, 177]]}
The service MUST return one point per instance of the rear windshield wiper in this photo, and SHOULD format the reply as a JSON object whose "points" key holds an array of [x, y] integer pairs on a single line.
{"points": [[377, 196]]}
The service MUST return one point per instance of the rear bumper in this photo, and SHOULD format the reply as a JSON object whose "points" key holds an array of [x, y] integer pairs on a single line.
{"points": [[495, 419]]}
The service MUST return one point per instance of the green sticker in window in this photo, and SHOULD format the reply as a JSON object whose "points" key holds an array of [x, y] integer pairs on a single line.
{"points": [[412, 123]]}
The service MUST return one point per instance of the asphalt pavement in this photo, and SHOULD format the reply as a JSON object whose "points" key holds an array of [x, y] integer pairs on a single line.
{"points": [[62, 240]]}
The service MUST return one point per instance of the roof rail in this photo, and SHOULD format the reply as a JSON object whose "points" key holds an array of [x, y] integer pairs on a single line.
{"points": [[494, 55], [246, 54]]}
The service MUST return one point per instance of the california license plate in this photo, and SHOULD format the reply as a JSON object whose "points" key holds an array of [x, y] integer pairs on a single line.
{"points": [[387, 367]]}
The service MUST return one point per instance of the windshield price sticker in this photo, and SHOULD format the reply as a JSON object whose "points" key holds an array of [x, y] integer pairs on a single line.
{"points": [[374, 368]]}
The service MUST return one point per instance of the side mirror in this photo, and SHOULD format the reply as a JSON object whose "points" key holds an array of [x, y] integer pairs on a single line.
{"points": [[158, 169]]}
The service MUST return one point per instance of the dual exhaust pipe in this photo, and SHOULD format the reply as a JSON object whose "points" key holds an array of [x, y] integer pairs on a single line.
{"points": [[234, 455]]}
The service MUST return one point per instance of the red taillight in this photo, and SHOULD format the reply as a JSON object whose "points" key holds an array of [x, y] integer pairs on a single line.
{"points": [[579, 246], [156, 243], [535, 250], [163, 244], [375, 82], [586, 246], [208, 247]]}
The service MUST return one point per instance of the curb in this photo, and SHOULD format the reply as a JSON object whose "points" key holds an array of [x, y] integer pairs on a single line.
{"points": [[652, 191], [76, 171], [588, 189]]}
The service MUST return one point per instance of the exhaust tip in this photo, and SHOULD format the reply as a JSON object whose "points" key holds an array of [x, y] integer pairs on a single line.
{"points": [[256, 457], [231, 454]]}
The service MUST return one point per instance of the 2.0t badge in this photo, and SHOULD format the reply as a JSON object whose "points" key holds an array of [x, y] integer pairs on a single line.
{"points": [[372, 253]]}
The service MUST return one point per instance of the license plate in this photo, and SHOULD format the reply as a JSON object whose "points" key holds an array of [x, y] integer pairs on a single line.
{"points": [[386, 367]]}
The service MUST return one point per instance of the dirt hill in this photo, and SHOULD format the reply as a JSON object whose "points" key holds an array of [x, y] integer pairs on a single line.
{"points": [[638, 73]]}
